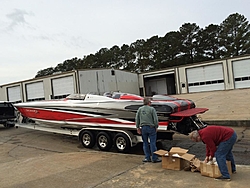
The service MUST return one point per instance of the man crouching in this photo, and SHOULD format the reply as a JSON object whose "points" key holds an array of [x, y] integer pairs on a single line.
{"points": [[219, 142]]}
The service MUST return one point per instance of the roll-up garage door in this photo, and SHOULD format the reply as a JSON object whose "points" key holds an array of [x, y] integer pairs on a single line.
{"points": [[241, 71], [62, 86], [14, 94], [35, 91], [205, 78]]}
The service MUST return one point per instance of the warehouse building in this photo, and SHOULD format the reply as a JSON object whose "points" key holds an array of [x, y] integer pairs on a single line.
{"points": [[61, 85], [223, 74]]}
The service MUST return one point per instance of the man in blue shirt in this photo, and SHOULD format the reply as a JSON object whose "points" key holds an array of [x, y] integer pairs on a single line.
{"points": [[147, 124]]}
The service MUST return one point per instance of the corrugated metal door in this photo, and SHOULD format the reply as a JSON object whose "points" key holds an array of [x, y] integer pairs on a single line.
{"points": [[205, 78], [14, 94], [241, 72], [35, 91], [62, 87]]}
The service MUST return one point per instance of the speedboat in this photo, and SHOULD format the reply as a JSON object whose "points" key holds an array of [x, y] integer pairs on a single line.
{"points": [[88, 110]]}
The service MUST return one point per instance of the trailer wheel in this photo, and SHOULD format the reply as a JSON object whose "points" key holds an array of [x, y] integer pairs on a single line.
{"points": [[122, 143], [104, 141], [87, 139], [8, 125]]}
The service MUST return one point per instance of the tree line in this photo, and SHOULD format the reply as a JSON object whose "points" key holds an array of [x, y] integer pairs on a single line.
{"points": [[191, 44]]}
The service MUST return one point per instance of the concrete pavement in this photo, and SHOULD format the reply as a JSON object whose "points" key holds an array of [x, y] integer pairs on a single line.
{"points": [[34, 159], [230, 107], [100, 170]]}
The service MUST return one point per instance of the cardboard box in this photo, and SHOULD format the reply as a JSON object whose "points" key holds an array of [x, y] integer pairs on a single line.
{"points": [[212, 170], [176, 159], [195, 165]]}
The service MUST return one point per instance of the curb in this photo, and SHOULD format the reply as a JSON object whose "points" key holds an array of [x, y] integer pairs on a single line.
{"points": [[233, 123]]}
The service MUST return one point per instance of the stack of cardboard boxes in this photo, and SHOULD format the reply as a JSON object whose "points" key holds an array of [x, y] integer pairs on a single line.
{"points": [[178, 159]]}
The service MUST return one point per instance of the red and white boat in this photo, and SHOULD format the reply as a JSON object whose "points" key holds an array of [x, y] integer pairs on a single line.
{"points": [[106, 121], [88, 110]]}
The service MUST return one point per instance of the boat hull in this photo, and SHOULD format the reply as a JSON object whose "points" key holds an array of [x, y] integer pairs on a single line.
{"points": [[98, 111], [84, 117]]}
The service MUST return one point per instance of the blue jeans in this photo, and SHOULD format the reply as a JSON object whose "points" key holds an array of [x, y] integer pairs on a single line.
{"points": [[149, 133], [223, 153]]}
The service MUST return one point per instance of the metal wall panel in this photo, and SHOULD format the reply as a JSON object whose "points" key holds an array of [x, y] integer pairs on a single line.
{"points": [[88, 81], [126, 82], [108, 80]]}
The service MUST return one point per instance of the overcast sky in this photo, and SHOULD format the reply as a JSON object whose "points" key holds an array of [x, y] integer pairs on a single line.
{"points": [[38, 34]]}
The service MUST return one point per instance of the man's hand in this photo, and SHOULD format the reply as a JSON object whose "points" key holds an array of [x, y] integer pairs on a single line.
{"points": [[206, 159], [138, 130]]}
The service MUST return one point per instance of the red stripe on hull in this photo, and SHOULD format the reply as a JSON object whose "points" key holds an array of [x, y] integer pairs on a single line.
{"points": [[53, 115]]}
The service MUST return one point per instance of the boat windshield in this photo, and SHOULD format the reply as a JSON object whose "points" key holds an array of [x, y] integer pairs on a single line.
{"points": [[76, 97]]}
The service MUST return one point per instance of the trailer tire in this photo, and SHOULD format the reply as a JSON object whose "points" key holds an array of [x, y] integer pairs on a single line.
{"points": [[8, 125], [104, 141], [122, 143], [87, 138]]}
